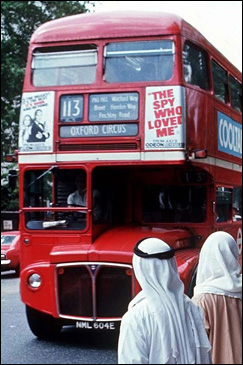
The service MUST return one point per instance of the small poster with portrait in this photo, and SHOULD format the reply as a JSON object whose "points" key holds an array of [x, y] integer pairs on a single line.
{"points": [[36, 122]]}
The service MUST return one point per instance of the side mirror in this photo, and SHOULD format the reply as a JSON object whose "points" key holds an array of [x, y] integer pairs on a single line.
{"points": [[12, 179]]}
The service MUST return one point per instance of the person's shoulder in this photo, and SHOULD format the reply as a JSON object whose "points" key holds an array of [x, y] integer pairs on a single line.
{"points": [[137, 305], [206, 300], [137, 299], [96, 193], [74, 193], [138, 314], [197, 298], [71, 197]]}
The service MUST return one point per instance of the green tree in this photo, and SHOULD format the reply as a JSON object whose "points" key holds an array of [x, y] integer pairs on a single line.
{"points": [[9, 194], [19, 19]]}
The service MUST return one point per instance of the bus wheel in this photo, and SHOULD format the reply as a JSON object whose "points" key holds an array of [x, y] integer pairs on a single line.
{"points": [[192, 283], [43, 325], [17, 270]]}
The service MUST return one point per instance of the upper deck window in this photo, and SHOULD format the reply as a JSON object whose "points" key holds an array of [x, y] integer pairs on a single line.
{"points": [[69, 67], [139, 61], [235, 94], [220, 83], [195, 66]]}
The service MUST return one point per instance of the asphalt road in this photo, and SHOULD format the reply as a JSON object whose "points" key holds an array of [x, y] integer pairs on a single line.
{"points": [[20, 346]]}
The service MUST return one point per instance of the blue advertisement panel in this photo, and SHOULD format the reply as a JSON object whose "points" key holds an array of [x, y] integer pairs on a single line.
{"points": [[229, 135]]}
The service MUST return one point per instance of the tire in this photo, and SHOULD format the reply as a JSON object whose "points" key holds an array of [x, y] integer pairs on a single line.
{"points": [[192, 283], [43, 325], [17, 270]]}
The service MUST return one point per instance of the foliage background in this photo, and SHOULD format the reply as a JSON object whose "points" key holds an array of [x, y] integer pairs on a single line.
{"points": [[19, 19]]}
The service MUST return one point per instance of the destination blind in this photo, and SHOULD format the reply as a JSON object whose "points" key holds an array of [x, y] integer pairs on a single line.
{"points": [[112, 107]]}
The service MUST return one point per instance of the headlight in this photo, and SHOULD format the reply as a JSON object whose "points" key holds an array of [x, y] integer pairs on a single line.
{"points": [[34, 280]]}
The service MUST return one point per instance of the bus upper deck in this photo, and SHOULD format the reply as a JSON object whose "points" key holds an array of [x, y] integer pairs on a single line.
{"points": [[153, 89]]}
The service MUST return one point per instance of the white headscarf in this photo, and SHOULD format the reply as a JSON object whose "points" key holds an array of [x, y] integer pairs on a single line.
{"points": [[219, 268], [179, 320]]}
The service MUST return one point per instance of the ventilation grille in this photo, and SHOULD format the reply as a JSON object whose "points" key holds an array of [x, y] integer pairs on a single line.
{"points": [[98, 147]]}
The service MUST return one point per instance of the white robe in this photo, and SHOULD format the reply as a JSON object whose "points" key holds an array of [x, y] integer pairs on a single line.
{"points": [[219, 271], [162, 325], [218, 291]]}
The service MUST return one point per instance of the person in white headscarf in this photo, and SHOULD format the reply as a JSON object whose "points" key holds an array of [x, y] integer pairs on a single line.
{"points": [[218, 291], [162, 325]]}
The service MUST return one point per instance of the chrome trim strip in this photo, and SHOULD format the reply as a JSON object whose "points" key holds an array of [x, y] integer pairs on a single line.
{"points": [[90, 319], [213, 161], [81, 263], [5, 262]]}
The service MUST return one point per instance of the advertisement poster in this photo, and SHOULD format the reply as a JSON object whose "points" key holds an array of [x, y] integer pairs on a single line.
{"points": [[164, 118], [229, 135], [36, 122]]}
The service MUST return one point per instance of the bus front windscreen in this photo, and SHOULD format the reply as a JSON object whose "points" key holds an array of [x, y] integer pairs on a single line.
{"points": [[55, 199]]}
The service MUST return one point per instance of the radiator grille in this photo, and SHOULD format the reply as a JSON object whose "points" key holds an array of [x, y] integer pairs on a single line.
{"points": [[112, 290], [75, 291]]}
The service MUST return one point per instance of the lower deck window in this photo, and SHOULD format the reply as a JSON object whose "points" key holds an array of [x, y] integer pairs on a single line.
{"points": [[174, 204], [61, 199]]}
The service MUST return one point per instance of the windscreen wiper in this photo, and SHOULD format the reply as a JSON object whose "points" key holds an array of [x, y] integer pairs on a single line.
{"points": [[42, 175]]}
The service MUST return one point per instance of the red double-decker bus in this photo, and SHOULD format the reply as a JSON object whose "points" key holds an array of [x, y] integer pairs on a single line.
{"points": [[130, 127]]}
